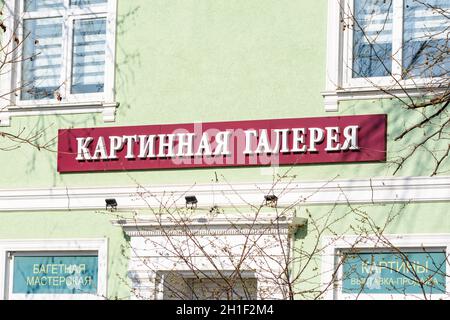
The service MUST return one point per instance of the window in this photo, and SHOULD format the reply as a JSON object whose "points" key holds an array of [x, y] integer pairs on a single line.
{"points": [[50, 273], [389, 272], [53, 269], [400, 267], [182, 286], [393, 44], [64, 54]]}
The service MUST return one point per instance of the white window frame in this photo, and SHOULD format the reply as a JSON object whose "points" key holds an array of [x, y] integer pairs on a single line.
{"points": [[10, 77], [160, 285], [53, 246], [334, 246], [340, 85]]}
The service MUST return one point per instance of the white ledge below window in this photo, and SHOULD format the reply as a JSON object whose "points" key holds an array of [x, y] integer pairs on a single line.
{"points": [[107, 109], [332, 98]]}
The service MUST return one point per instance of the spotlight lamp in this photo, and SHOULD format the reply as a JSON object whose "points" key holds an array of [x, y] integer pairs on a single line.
{"points": [[191, 201], [214, 210], [271, 200], [111, 203]]}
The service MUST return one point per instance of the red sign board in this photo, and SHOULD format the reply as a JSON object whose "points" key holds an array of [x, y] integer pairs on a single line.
{"points": [[221, 144]]}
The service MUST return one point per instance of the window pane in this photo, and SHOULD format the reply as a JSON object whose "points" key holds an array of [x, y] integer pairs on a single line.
{"points": [[54, 274], [218, 288], [83, 3], [42, 51], [372, 38], [179, 287], [89, 45], [393, 273], [43, 5], [426, 38]]}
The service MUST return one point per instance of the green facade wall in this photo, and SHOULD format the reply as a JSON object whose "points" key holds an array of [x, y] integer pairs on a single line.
{"points": [[356, 219], [203, 61]]}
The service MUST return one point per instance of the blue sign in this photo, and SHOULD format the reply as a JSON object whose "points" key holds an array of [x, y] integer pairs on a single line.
{"points": [[394, 273], [55, 274]]}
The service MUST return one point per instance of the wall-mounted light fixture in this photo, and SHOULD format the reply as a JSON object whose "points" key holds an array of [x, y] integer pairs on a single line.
{"points": [[191, 202], [214, 210], [270, 200], [111, 203]]}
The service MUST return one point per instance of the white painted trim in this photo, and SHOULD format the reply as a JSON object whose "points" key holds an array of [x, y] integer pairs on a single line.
{"points": [[108, 110], [152, 253], [110, 68], [332, 98], [334, 42], [52, 245], [375, 190], [73, 103], [332, 244], [397, 39], [213, 221], [263, 223]]}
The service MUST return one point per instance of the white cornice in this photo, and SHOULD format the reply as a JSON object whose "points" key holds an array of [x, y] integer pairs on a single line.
{"points": [[376, 190], [332, 98], [264, 223]]}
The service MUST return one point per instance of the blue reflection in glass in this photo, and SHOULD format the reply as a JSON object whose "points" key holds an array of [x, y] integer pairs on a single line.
{"points": [[426, 39], [42, 53], [372, 38], [88, 60], [42, 5]]}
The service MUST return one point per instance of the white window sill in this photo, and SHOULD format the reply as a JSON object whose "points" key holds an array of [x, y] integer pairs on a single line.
{"points": [[332, 98], [107, 109]]}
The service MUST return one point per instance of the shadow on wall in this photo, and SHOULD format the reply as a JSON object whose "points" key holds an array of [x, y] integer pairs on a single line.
{"points": [[125, 74]]}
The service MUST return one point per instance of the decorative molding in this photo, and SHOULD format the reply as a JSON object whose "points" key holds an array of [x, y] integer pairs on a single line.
{"points": [[334, 54], [331, 102], [148, 232], [375, 190], [332, 98], [263, 224], [109, 111]]}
